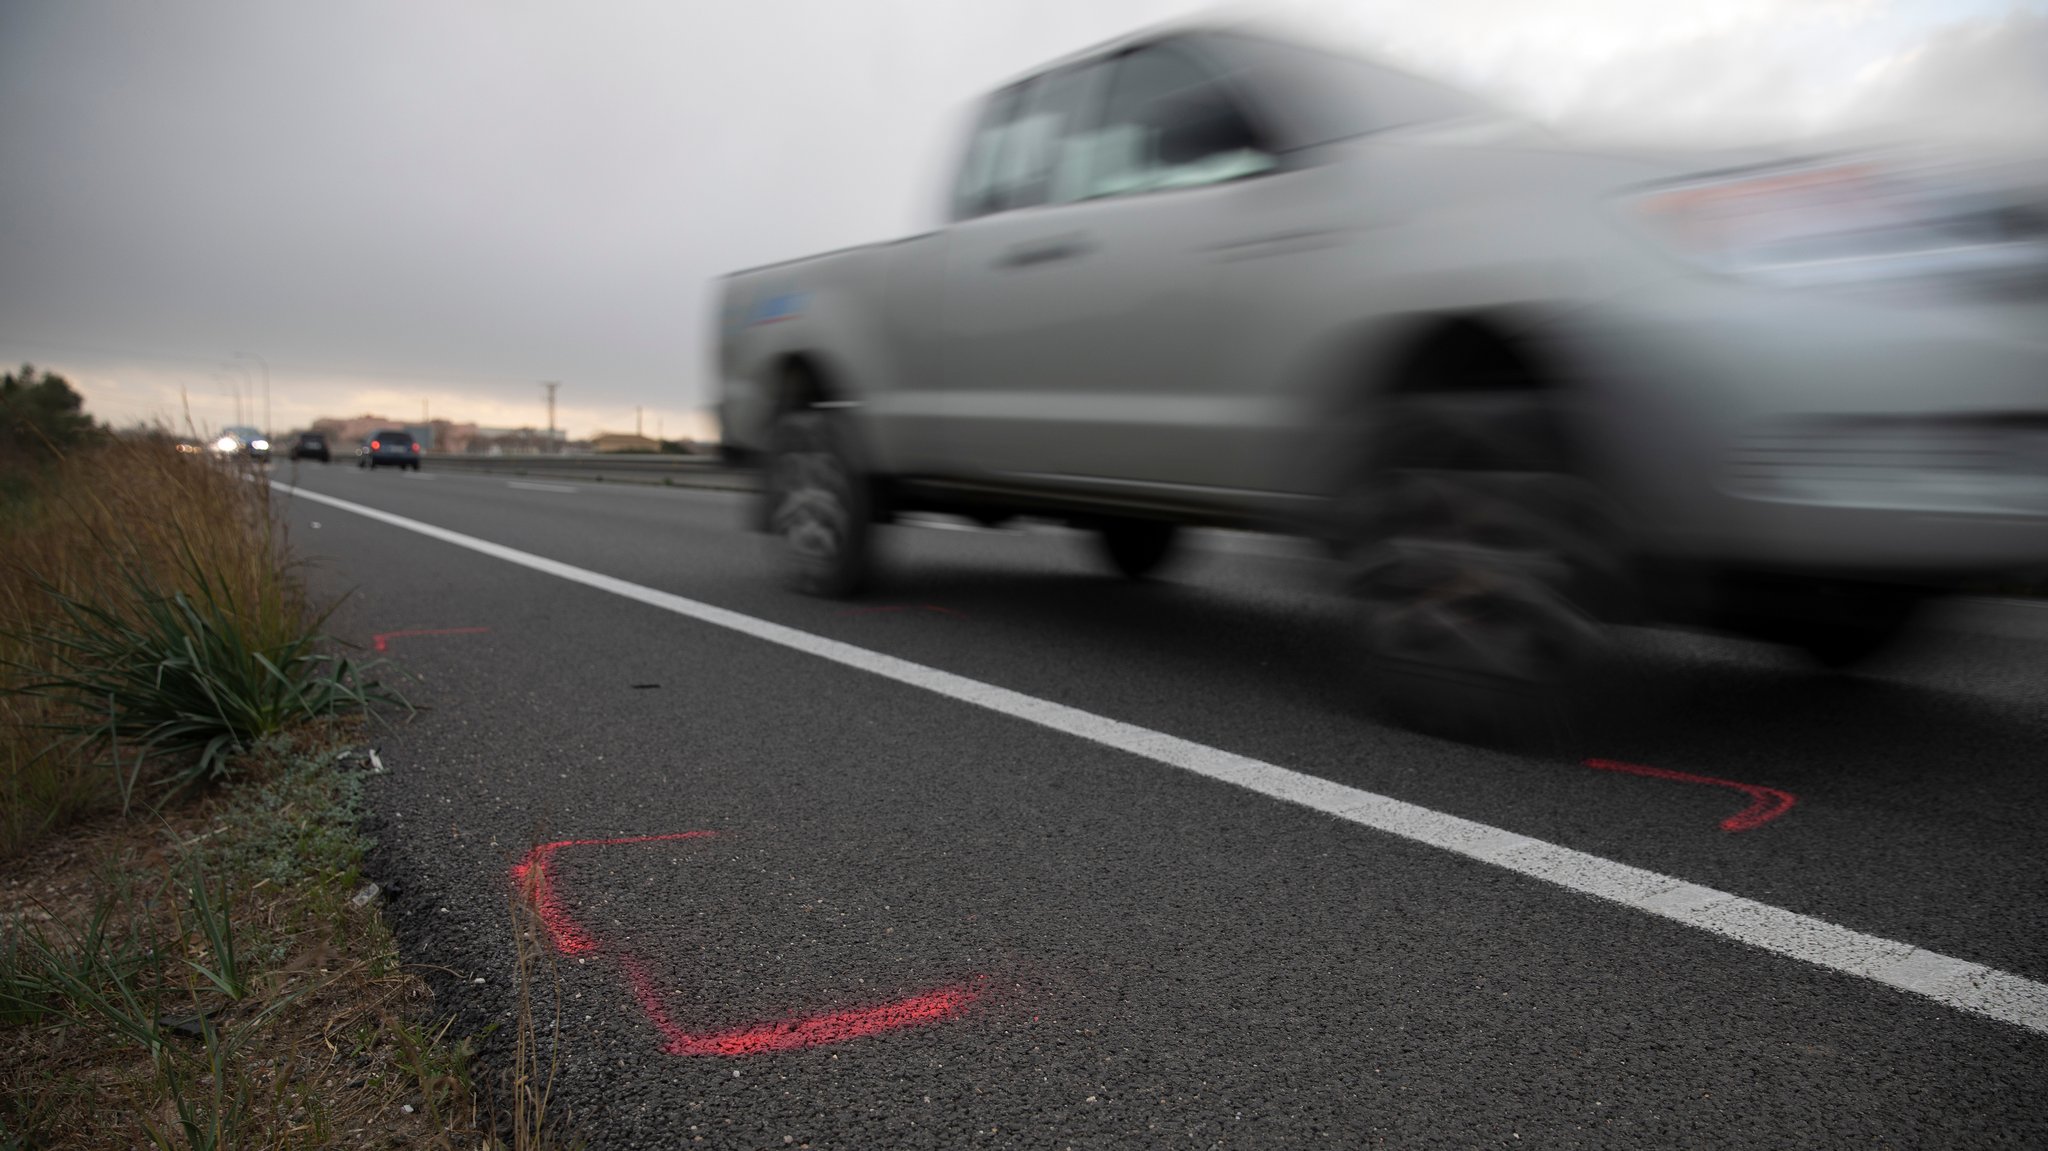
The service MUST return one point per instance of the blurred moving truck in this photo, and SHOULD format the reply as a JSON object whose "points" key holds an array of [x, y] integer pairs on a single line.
{"points": [[1519, 389]]}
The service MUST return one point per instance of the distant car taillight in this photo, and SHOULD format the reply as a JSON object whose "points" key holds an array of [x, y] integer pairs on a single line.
{"points": [[374, 445], [415, 447]]}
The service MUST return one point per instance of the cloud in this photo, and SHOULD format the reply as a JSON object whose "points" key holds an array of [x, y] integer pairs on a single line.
{"points": [[1727, 71], [200, 399], [1986, 80], [460, 199]]}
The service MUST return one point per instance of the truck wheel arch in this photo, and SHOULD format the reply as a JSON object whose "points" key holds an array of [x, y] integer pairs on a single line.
{"points": [[799, 381], [1450, 351], [1501, 349]]}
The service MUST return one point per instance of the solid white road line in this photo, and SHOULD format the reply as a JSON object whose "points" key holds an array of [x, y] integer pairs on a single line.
{"points": [[1957, 983], [532, 487]]}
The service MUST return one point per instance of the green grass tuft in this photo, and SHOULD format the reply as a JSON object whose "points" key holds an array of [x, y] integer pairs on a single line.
{"points": [[183, 675]]}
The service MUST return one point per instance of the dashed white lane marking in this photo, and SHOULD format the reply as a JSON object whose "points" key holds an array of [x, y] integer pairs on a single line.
{"points": [[1956, 983], [524, 485]]}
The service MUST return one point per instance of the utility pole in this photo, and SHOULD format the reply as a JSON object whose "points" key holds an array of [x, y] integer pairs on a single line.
{"points": [[637, 412], [551, 385]]}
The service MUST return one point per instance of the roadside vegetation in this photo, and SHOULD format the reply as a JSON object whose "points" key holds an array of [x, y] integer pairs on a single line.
{"points": [[189, 954]]}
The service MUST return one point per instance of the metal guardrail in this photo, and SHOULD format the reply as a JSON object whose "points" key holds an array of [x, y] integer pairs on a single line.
{"points": [[604, 467]]}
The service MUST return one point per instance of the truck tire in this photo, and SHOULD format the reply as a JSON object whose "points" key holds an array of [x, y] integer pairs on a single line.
{"points": [[1135, 547], [1482, 561], [817, 505]]}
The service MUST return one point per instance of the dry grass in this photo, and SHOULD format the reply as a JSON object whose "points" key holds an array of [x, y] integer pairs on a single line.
{"points": [[328, 1042], [332, 1041], [531, 1079], [92, 528]]}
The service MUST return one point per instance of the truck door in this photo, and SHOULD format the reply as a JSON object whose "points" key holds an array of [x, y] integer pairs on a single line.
{"points": [[1083, 319]]}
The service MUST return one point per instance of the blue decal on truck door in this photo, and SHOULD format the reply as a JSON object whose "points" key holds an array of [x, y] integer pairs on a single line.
{"points": [[779, 306]]}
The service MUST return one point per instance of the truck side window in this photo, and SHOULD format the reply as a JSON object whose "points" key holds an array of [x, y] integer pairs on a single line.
{"points": [[1168, 123], [1054, 109], [976, 193]]}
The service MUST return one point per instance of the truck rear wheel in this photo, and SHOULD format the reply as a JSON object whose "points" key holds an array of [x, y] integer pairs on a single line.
{"points": [[817, 505], [1480, 558], [1838, 625]]}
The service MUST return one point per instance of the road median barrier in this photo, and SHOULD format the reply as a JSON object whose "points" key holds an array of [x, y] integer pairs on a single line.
{"points": [[660, 470]]}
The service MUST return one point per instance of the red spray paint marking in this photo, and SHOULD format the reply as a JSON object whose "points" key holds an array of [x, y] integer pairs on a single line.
{"points": [[796, 1033], [791, 1034], [382, 640], [1768, 803], [569, 938]]}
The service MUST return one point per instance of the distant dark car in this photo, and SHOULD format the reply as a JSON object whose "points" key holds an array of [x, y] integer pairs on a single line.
{"points": [[390, 449], [311, 446]]}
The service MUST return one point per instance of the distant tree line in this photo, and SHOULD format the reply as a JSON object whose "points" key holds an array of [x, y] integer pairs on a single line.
{"points": [[40, 411]]}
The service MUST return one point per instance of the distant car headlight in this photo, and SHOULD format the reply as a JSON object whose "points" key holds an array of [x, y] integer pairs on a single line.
{"points": [[260, 445], [1848, 222], [225, 444]]}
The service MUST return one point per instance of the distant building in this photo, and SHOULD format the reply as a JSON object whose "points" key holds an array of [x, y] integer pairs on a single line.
{"points": [[624, 442], [514, 441], [347, 432], [443, 435]]}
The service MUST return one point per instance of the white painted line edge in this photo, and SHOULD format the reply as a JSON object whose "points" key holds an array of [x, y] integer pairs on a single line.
{"points": [[1957, 983], [525, 485]]}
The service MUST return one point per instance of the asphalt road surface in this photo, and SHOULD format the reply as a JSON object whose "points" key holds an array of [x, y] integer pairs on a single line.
{"points": [[1012, 853]]}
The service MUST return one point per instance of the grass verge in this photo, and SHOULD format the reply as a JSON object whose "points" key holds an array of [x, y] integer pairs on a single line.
{"points": [[216, 977], [189, 956], [151, 629]]}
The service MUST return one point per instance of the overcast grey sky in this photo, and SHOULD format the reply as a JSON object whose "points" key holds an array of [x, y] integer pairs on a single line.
{"points": [[450, 202]]}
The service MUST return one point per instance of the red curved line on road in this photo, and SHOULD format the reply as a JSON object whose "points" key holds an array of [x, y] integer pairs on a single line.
{"points": [[382, 640], [796, 1033], [530, 876], [1766, 803], [570, 939]]}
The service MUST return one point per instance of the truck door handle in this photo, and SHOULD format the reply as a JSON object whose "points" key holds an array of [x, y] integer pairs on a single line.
{"points": [[1044, 251]]}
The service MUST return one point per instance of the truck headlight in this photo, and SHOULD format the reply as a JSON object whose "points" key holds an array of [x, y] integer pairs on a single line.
{"points": [[260, 445], [1849, 222]]}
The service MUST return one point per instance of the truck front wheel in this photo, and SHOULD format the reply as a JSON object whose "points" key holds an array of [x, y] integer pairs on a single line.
{"points": [[1482, 561], [817, 505]]}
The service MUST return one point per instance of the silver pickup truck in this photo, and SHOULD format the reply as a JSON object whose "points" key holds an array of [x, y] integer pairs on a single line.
{"points": [[1210, 277]]}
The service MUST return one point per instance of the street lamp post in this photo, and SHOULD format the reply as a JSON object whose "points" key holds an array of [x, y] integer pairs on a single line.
{"points": [[244, 385], [266, 389]]}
